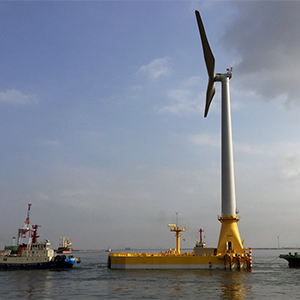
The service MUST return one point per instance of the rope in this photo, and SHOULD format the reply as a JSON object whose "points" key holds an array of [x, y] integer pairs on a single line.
{"points": [[273, 259]]}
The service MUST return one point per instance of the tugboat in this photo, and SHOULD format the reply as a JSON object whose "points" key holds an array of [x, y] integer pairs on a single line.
{"points": [[293, 259], [34, 254], [65, 246]]}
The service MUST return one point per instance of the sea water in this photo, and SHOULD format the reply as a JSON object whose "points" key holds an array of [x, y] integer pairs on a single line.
{"points": [[270, 278]]}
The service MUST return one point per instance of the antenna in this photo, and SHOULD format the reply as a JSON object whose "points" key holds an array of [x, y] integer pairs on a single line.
{"points": [[228, 187]]}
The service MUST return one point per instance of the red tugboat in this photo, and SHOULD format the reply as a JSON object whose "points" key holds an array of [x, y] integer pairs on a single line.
{"points": [[34, 254]]}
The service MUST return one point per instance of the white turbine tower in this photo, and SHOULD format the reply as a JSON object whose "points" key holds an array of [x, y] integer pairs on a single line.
{"points": [[229, 239]]}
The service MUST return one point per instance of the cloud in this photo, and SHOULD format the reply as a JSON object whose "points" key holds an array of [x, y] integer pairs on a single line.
{"points": [[288, 151], [291, 166], [289, 160], [264, 36], [205, 139], [251, 149], [17, 98], [184, 100], [157, 68], [282, 156]]}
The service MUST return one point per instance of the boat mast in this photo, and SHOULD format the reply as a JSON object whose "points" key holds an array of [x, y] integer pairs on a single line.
{"points": [[200, 232], [26, 228], [35, 236], [177, 229]]}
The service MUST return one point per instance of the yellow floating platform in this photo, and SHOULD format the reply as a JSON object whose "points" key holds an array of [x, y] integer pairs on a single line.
{"points": [[230, 253], [179, 261]]}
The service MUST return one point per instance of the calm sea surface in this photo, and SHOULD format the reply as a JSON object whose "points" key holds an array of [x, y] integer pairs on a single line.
{"points": [[271, 278]]}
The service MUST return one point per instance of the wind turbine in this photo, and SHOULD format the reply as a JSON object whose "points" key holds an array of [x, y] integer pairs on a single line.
{"points": [[229, 239], [278, 239]]}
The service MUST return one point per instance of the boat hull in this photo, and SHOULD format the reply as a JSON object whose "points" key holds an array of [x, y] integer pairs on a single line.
{"points": [[182, 261], [32, 266], [37, 262], [64, 251], [293, 260]]}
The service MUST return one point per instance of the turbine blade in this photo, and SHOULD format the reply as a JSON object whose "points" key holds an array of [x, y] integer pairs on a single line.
{"points": [[210, 92], [208, 55]]}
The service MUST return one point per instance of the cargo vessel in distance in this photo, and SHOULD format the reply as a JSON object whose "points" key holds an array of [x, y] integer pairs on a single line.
{"points": [[34, 254], [65, 246]]}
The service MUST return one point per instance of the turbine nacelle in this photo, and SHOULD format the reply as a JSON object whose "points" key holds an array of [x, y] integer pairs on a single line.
{"points": [[222, 76]]}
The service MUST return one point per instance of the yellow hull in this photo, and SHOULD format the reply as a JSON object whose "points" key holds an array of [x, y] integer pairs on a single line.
{"points": [[177, 261], [230, 253]]}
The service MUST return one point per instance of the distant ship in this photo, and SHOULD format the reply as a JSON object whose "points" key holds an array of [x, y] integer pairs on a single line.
{"points": [[108, 249], [65, 246], [34, 254]]}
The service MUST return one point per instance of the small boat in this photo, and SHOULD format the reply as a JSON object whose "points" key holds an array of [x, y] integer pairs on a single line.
{"points": [[65, 246], [108, 249], [34, 254], [293, 259]]}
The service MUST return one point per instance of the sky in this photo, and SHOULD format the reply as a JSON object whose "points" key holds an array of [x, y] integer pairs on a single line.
{"points": [[102, 127]]}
